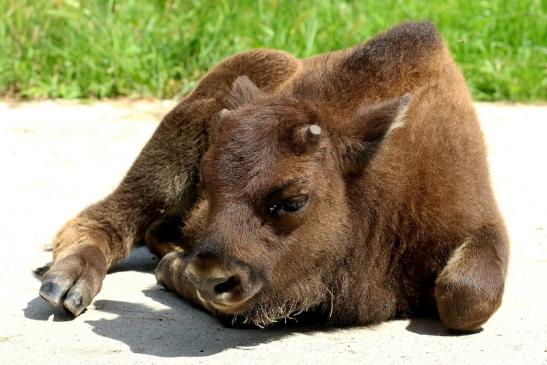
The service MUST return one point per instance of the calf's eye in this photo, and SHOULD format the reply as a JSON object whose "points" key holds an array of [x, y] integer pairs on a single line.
{"points": [[290, 205]]}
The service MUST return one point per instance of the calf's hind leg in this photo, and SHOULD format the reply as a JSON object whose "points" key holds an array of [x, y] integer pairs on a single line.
{"points": [[470, 287]]}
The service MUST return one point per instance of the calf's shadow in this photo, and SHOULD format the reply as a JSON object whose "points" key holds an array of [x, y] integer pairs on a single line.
{"points": [[178, 330]]}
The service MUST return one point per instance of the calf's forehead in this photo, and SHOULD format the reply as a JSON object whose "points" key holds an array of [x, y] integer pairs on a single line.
{"points": [[258, 173], [240, 154]]}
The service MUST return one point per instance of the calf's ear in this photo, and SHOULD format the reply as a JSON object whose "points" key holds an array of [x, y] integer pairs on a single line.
{"points": [[368, 128], [244, 92]]}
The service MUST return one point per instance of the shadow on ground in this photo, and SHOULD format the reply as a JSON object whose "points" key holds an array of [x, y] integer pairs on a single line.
{"points": [[39, 310], [178, 330], [433, 327]]}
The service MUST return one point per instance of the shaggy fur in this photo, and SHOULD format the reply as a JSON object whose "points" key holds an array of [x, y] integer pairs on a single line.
{"points": [[395, 214]]}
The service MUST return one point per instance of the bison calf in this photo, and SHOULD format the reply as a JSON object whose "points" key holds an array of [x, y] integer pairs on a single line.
{"points": [[353, 185]]}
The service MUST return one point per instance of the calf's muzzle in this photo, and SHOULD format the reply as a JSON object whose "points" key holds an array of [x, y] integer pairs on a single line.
{"points": [[224, 283]]}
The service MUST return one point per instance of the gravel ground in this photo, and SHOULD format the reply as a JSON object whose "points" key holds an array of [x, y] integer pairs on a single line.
{"points": [[57, 157]]}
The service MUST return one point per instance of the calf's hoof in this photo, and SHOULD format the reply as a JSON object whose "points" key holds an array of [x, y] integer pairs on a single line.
{"points": [[73, 281]]}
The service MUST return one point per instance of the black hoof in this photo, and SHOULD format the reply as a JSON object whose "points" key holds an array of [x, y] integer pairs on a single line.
{"points": [[53, 291], [74, 302]]}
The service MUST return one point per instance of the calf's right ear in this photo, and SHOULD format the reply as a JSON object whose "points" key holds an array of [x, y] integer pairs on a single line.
{"points": [[369, 127]]}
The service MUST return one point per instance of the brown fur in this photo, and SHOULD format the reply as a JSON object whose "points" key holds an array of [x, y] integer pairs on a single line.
{"points": [[397, 218]]}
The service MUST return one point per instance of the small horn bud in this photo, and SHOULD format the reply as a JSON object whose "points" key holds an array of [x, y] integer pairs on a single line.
{"points": [[313, 133], [223, 113], [308, 136]]}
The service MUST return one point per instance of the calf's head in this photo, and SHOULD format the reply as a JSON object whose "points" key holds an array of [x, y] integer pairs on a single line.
{"points": [[278, 218]]}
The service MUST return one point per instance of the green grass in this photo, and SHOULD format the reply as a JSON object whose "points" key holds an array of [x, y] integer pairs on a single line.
{"points": [[96, 49]]}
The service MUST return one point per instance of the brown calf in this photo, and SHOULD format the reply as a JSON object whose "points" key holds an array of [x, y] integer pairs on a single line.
{"points": [[352, 184]]}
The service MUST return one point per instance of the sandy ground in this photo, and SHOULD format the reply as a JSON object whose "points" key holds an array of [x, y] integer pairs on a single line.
{"points": [[56, 158]]}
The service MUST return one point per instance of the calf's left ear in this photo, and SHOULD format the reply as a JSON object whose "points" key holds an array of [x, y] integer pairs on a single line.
{"points": [[244, 92], [368, 128]]}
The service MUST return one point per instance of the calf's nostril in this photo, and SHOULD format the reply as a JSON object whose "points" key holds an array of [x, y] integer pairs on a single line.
{"points": [[227, 286]]}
